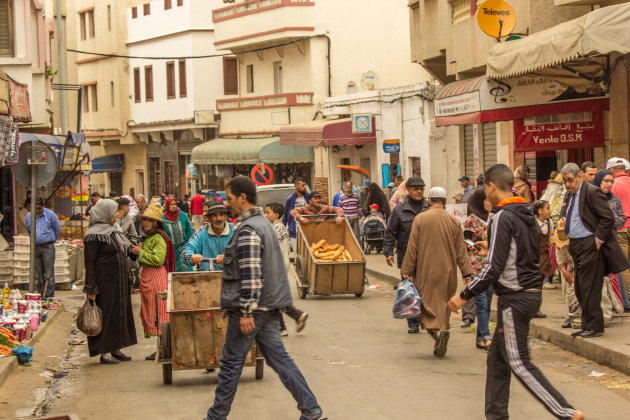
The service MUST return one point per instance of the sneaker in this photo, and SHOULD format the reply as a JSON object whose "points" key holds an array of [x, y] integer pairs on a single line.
{"points": [[301, 322], [284, 333], [549, 286], [466, 323], [442, 343], [413, 330]]}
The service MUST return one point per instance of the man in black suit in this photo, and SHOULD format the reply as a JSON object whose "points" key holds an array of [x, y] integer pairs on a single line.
{"points": [[589, 227]]}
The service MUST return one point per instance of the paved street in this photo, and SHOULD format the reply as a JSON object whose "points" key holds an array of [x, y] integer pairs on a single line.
{"points": [[360, 362]]}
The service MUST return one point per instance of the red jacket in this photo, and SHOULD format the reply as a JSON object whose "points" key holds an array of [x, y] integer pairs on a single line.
{"points": [[621, 188], [196, 205]]}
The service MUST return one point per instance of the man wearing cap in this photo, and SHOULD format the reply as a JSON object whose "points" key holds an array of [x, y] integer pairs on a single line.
{"points": [[621, 188], [210, 242], [468, 187], [315, 208], [436, 236], [398, 228]]}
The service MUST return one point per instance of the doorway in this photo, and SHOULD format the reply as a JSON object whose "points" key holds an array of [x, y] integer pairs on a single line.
{"points": [[139, 182], [115, 182]]}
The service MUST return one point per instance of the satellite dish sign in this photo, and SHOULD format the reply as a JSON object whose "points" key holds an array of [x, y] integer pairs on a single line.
{"points": [[496, 18]]}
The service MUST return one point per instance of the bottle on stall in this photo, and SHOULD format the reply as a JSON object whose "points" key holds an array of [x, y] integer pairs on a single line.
{"points": [[5, 294]]}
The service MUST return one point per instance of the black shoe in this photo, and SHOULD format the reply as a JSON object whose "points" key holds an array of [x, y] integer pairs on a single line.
{"points": [[540, 315], [591, 334], [442, 343], [108, 360], [466, 323], [413, 330], [577, 333], [117, 354], [566, 323], [150, 357]]}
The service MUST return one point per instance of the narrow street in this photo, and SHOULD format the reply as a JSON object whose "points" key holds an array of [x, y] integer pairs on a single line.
{"points": [[359, 361]]}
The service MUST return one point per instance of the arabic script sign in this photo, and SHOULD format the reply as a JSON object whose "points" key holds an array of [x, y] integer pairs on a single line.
{"points": [[559, 136]]}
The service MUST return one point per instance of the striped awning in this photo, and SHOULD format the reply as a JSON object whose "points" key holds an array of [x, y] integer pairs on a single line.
{"points": [[460, 87]]}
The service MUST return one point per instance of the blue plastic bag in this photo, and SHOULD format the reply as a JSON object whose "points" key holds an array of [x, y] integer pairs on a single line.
{"points": [[407, 303], [24, 354]]}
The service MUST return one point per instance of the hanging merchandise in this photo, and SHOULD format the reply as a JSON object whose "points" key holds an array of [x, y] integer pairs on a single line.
{"points": [[7, 136]]}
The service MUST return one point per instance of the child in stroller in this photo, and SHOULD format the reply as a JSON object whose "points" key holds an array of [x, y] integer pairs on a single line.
{"points": [[373, 230]]}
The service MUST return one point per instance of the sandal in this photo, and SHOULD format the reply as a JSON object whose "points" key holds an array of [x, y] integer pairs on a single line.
{"points": [[482, 345]]}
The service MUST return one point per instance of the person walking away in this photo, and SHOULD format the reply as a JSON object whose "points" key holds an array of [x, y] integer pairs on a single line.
{"points": [[514, 274], [468, 187], [436, 235], [349, 202], [589, 226], [196, 209], [184, 204], [106, 283], [178, 229], [46, 234], [157, 259], [621, 188], [476, 229], [375, 196], [298, 199], [521, 183], [273, 213], [398, 228], [316, 208], [255, 286], [211, 241]]}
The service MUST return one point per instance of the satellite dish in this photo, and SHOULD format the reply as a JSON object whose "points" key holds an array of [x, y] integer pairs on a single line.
{"points": [[352, 87], [370, 81], [44, 159]]}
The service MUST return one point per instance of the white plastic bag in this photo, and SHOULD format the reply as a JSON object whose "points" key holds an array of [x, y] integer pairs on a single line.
{"points": [[407, 303]]}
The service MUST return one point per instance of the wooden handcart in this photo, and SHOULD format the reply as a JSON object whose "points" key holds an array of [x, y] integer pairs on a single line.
{"points": [[194, 336], [327, 278]]}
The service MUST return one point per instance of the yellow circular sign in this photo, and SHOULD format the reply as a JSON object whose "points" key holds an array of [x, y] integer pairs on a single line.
{"points": [[63, 192], [496, 18]]}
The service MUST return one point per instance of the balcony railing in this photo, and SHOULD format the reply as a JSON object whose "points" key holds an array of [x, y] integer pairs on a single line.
{"points": [[254, 6], [269, 101]]}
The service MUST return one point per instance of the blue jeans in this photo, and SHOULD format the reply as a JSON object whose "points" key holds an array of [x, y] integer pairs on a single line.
{"points": [[235, 348], [624, 296], [483, 302], [45, 270]]}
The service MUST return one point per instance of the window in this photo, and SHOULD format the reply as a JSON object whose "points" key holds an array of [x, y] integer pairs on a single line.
{"points": [[169, 179], [148, 83], [170, 79], [249, 71], [416, 168], [146, 9], [6, 29], [134, 12], [82, 26], [277, 77], [90, 15], [86, 98], [182, 79], [109, 17], [155, 182], [180, 3], [136, 85], [167, 4], [94, 97], [111, 94], [230, 76]]}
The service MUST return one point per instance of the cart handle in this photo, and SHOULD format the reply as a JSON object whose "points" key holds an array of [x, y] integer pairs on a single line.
{"points": [[320, 215]]}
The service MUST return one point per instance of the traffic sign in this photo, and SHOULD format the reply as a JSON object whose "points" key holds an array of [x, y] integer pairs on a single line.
{"points": [[262, 174], [496, 18]]}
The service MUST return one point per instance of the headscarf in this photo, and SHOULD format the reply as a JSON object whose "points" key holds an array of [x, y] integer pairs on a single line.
{"points": [[376, 196], [399, 195], [522, 172], [133, 207], [101, 226], [475, 205], [597, 181], [170, 215]]}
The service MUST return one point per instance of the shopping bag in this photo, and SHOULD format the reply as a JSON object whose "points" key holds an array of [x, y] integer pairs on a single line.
{"points": [[89, 319], [407, 303]]}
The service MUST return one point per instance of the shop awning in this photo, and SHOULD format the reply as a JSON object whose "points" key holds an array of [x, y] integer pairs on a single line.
{"points": [[108, 163], [602, 31], [325, 133], [482, 99], [250, 151]]}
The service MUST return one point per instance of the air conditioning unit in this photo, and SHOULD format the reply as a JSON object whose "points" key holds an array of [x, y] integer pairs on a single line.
{"points": [[204, 117]]}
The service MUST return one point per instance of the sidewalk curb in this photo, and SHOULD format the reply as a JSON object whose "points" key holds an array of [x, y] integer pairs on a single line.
{"points": [[394, 281], [8, 364]]}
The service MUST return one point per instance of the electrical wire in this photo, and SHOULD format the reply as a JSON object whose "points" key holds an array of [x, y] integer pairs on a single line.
{"points": [[191, 57]]}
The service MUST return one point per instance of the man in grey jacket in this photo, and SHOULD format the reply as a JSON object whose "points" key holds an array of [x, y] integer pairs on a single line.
{"points": [[255, 287], [125, 221]]}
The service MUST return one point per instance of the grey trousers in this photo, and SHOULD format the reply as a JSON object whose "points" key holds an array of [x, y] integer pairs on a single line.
{"points": [[469, 311]]}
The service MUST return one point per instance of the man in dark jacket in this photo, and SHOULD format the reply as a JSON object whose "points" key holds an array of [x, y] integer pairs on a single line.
{"points": [[514, 274], [255, 287], [399, 227], [298, 199], [589, 226]]}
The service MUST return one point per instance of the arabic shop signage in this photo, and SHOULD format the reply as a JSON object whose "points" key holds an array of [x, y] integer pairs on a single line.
{"points": [[559, 136], [19, 107], [391, 146]]}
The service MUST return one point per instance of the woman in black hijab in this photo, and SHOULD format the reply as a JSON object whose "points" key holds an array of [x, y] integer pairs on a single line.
{"points": [[374, 195]]}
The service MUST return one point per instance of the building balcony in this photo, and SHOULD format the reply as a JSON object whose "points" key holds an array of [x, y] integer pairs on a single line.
{"points": [[268, 101], [258, 21]]}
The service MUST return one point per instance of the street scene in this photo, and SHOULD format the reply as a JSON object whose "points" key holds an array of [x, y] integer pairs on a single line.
{"points": [[314, 209]]}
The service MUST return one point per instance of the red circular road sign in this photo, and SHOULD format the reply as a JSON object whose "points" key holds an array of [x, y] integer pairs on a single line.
{"points": [[258, 177]]}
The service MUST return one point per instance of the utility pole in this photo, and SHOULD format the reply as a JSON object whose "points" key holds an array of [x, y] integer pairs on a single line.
{"points": [[61, 70]]}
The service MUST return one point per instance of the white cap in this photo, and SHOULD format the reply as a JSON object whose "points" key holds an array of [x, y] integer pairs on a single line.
{"points": [[437, 192], [613, 162]]}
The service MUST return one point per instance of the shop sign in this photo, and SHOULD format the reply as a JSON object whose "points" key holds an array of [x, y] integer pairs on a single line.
{"points": [[496, 18], [391, 146], [19, 107], [560, 136], [457, 105], [361, 123]]}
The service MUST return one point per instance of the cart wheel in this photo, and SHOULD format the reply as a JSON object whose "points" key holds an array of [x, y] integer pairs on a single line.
{"points": [[358, 294], [300, 268], [167, 373], [260, 368], [165, 353]]}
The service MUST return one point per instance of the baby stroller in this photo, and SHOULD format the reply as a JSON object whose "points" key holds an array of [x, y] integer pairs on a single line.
{"points": [[373, 234]]}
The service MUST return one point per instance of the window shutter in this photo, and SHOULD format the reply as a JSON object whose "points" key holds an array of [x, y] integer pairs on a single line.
{"points": [[6, 28], [146, 9], [180, 3], [167, 4], [136, 85], [182, 79], [148, 83], [170, 79], [134, 12], [230, 76]]}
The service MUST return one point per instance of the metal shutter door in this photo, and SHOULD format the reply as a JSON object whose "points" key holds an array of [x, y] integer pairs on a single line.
{"points": [[469, 153], [489, 131]]}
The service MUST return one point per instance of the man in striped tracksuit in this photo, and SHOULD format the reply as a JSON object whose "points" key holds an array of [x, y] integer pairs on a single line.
{"points": [[513, 272]]}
